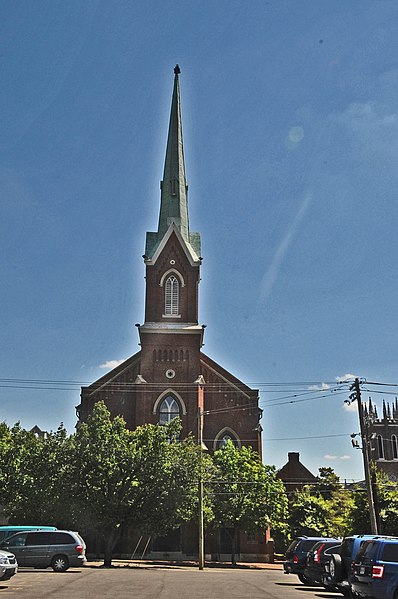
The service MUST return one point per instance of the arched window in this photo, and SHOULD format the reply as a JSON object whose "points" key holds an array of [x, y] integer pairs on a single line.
{"points": [[224, 440], [171, 296], [225, 435], [380, 447], [169, 409], [394, 443]]}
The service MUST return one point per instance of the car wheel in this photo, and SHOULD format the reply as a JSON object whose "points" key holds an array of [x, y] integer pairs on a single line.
{"points": [[336, 568], [305, 580], [59, 563]]}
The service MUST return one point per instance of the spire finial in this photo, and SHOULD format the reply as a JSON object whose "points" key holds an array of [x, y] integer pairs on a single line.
{"points": [[177, 70]]}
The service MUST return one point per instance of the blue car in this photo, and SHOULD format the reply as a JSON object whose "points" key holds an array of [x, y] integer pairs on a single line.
{"points": [[338, 571], [375, 571]]}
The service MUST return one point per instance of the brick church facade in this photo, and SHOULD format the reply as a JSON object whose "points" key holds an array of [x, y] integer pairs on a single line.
{"points": [[382, 432], [161, 380]]}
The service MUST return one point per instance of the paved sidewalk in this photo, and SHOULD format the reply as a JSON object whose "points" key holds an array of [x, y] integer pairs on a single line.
{"points": [[126, 563]]}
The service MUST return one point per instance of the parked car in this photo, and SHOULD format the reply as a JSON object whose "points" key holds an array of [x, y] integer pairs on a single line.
{"points": [[296, 556], [8, 565], [375, 571], [318, 556], [8, 531], [59, 549], [338, 571]]}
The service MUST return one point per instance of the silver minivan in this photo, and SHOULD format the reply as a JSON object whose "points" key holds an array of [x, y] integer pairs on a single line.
{"points": [[59, 549]]}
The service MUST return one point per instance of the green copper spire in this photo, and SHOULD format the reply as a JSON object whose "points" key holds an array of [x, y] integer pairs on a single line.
{"points": [[174, 201], [174, 188]]}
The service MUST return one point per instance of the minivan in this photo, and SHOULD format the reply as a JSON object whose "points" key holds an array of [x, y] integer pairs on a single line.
{"points": [[59, 549]]}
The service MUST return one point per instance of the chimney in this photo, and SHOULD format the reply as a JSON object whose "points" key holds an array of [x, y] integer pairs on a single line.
{"points": [[293, 456]]}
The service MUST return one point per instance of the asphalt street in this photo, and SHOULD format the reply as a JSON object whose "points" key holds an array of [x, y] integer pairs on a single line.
{"points": [[163, 582]]}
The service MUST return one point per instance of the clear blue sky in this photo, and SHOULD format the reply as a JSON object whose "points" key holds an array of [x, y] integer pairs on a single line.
{"points": [[290, 117]]}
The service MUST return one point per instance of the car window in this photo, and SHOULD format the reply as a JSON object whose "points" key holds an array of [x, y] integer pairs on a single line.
{"points": [[355, 551], [293, 545], [368, 552], [361, 551], [390, 552], [17, 540], [61, 538], [307, 545], [38, 538]]}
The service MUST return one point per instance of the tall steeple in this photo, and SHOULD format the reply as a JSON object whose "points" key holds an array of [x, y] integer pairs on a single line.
{"points": [[174, 188]]}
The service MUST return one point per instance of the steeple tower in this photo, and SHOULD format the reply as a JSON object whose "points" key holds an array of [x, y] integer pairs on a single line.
{"points": [[174, 188]]}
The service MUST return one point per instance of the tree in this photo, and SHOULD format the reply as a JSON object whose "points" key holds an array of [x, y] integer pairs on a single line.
{"points": [[322, 508], [33, 473], [247, 496], [386, 498], [308, 514], [328, 482], [103, 477], [145, 477], [167, 473]]}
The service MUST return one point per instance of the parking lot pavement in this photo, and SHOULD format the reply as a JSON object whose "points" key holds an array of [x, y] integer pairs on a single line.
{"points": [[158, 582]]}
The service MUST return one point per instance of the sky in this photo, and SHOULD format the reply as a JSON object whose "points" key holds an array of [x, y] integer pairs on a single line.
{"points": [[290, 118]]}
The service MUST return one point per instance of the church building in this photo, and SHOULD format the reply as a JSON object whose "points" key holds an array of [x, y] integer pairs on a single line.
{"points": [[382, 432], [162, 380]]}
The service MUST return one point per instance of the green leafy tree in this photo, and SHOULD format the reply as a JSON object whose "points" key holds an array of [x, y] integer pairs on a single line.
{"points": [[167, 473], [323, 508], [340, 507], [103, 478], [32, 475], [247, 495], [338, 502], [308, 514], [386, 504], [328, 482], [144, 477]]}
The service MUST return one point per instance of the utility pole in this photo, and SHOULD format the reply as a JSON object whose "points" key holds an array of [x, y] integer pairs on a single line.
{"points": [[200, 382], [356, 396]]}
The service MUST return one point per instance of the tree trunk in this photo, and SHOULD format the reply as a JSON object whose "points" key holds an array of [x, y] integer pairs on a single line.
{"points": [[110, 543]]}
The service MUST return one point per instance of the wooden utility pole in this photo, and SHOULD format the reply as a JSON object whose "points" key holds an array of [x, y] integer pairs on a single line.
{"points": [[200, 382], [356, 396]]}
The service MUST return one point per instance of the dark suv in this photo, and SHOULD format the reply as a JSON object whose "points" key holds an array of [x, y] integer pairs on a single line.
{"points": [[339, 569], [318, 556], [375, 571], [59, 549], [296, 556]]}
